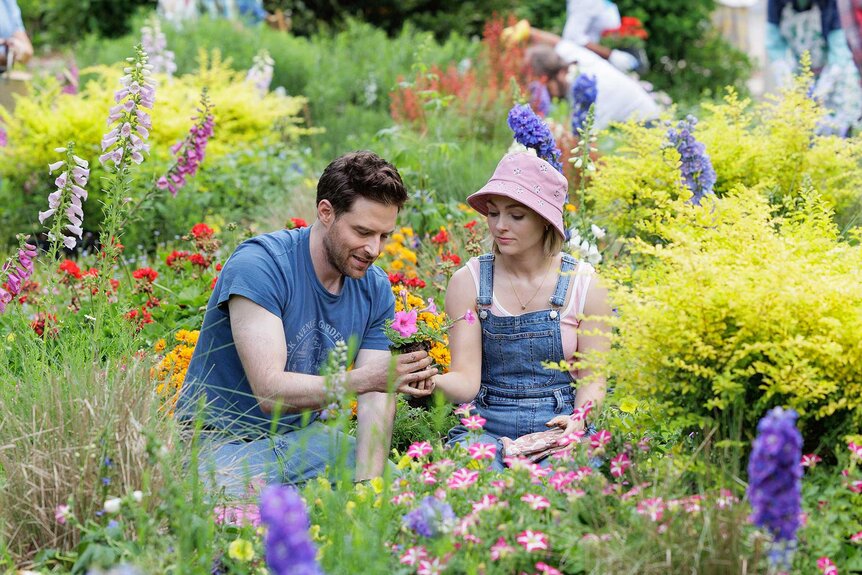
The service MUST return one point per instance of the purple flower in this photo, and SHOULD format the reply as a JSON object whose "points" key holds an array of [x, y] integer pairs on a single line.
{"points": [[775, 479], [67, 199], [431, 518], [532, 132], [125, 142], [540, 98], [696, 167], [191, 151], [289, 550], [584, 92], [155, 45], [15, 274], [260, 73]]}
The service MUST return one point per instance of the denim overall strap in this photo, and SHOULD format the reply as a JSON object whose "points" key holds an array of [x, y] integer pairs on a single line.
{"points": [[486, 280], [566, 268]]}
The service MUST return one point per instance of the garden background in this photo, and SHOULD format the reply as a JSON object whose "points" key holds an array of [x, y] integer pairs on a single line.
{"points": [[749, 300]]}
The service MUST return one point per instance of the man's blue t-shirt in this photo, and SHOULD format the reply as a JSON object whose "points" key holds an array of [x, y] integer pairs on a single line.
{"points": [[276, 272]]}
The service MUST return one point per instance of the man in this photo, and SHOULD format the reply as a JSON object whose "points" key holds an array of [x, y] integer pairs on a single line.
{"points": [[282, 302], [13, 38]]}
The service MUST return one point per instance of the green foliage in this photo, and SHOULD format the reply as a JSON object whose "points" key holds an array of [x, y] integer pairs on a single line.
{"points": [[65, 21], [47, 118], [752, 310]]}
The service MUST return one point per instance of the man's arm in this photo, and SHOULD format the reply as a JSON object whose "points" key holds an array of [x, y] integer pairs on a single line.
{"points": [[375, 415], [260, 343]]}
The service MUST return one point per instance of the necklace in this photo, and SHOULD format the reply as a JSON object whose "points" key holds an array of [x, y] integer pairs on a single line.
{"points": [[535, 293]]}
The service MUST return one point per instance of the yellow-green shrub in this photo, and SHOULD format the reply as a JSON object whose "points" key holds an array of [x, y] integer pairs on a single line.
{"points": [[48, 119], [739, 310]]}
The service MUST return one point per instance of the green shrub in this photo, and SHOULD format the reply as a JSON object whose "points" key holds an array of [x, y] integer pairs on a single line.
{"points": [[742, 310], [65, 21]]}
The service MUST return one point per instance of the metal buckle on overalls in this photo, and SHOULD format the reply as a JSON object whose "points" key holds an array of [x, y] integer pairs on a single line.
{"points": [[483, 314], [553, 314]]}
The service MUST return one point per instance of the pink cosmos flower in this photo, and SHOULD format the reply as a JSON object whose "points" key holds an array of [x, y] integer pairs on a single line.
{"points": [[482, 451], [500, 549], [413, 555], [473, 422], [856, 537], [619, 464], [811, 460], [419, 449], [533, 540], [536, 502], [61, 514], [431, 566], [546, 569], [465, 409], [405, 323], [652, 508], [486, 502], [462, 478], [826, 566]]}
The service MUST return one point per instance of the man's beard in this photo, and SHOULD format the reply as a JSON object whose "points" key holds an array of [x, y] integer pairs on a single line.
{"points": [[338, 258]]}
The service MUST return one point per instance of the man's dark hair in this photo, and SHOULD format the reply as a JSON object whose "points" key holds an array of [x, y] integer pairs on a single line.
{"points": [[360, 174], [544, 60]]}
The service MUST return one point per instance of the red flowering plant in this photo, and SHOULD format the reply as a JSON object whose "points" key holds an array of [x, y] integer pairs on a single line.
{"points": [[631, 35]]}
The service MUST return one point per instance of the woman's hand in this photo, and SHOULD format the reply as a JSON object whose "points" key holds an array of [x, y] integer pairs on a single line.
{"points": [[569, 425]]}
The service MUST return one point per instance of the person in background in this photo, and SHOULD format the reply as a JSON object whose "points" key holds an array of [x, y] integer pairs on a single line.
{"points": [[13, 37], [795, 27], [850, 12], [585, 22]]}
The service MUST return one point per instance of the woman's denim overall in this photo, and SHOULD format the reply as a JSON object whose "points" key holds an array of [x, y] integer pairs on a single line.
{"points": [[518, 396]]}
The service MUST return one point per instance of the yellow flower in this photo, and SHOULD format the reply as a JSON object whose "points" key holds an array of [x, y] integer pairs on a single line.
{"points": [[570, 207], [377, 485], [350, 506], [404, 462], [11, 337], [441, 355], [160, 345], [241, 550], [396, 265], [407, 231], [397, 238], [628, 405], [314, 531]]}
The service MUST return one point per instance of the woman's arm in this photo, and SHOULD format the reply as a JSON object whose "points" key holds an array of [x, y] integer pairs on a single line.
{"points": [[594, 336], [461, 383]]}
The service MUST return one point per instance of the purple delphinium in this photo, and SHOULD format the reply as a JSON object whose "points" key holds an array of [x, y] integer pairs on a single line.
{"points": [[532, 132], [775, 480], [67, 200], [289, 550], [431, 518], [131, 122], [14, 274], [584, 93], [190, 151], [696, 167], [540, 98]]}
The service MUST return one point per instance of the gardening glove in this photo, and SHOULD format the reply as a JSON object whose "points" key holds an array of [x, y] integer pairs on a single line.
{"points": [[623, 60], [515, 34]]}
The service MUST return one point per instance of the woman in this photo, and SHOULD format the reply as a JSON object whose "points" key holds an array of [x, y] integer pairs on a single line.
{"points": [[528, 297]]}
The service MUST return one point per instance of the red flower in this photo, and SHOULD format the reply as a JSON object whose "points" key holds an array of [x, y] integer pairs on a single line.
{"points": [[146, 274], [139, 317], [470, 225], [414, 283], [152, 302], [297, 223], [218, 267], [213, 283], [199, 260], [441, 237], [395, 278], [45, 322], [202, 231], [450, 257], [176, 255], [71, 269]]}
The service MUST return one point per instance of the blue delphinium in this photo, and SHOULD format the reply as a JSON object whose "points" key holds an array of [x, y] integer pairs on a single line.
{"points": [[289, 549], [532, 132], [775, 481], [696, 167], [540, 98], [584, 93], [431, 518]]}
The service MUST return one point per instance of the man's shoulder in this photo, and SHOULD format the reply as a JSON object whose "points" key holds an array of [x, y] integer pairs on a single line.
{"points": [[279, 245]]}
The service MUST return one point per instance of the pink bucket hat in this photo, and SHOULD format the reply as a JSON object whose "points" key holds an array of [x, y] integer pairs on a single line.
{"points": [[529, 180]]}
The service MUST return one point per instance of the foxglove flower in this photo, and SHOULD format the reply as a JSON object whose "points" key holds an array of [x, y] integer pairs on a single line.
{"points": [[190, 152], [155, 45], [289, 550], [66, 202], [775, 481], [15, 273], [260, 73], [584, 92], [126, 141], [696, 167], [532, 132], [431, 518]]}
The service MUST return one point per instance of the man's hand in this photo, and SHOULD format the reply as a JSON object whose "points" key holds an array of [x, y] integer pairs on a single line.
{"points": [[410, 370], [623, 60], [515, 34]]}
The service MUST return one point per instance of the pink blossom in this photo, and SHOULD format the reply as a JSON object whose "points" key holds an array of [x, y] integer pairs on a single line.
{"points": [[428, 477], [237, 514], [811, 460], [856, 537], [431, 566], [486, 502], [561, 479], [403, 498], [61, 514], [465, 409], [482, 451], [855, 450], [582, 472], [634, 491], [725, 499], [469, 317], [405, 323], [580, 413], [413, 555], [826, 566], [474, 422], [500, 549], [462, 478], [652, 508], [533, 540], [535, 502], [570, 438], [419, 449], [599, 440], [191, 151], [546, 569], [619, 464], [856, 486]]}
